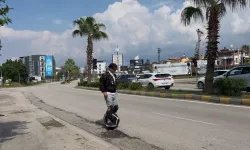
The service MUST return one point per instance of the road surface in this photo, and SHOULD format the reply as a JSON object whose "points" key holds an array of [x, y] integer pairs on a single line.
{"points": [[25, 127], [149, 123]]}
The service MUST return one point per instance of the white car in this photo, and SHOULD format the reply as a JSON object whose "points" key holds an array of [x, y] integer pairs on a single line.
{"points": [[157, 80], [217, 74]]}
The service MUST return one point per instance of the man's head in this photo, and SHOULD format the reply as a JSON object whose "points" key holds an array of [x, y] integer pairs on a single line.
{"points": [[113, 67]]}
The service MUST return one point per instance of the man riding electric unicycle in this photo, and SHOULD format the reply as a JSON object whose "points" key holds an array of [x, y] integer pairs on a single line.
{"points": [[108, 88]]}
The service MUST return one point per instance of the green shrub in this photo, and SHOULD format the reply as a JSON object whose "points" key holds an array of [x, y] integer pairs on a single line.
{"points": [[83, 83], [93, 84], [123, 85], [135, 86], [229, 86], [150, 87]]}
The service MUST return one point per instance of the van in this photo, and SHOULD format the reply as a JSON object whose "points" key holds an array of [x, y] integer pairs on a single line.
{"points": [[242, 72]]}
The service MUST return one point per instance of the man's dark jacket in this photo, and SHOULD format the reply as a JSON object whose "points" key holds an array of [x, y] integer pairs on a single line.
{"points": [[107, 83]]}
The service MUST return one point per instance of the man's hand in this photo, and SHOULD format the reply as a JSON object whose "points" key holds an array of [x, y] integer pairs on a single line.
{"points": [[105, 94]]}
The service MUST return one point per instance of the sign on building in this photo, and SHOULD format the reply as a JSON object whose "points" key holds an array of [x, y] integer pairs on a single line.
{"points": [[48, 66], [138, 62]]}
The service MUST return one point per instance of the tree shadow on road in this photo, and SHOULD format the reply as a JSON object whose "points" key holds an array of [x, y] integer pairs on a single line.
{"points": [[9, 130]]}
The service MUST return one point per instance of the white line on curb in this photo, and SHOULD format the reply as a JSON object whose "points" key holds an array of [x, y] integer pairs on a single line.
{"points": [[184, 119], [171, 99]]}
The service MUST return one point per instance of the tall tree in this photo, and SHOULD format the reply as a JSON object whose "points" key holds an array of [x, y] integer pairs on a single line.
{"points": [[88, 27], [4, 19], [14, 69], [246, 48], [215, 10], [71, 68]]}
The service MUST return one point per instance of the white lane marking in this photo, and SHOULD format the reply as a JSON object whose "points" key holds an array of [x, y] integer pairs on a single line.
{"points": [[187, 101], [185, 119]]}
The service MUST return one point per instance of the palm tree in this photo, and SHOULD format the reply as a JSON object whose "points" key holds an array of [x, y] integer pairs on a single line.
{"points": [[88, 27], [215, 10], [246, 48]]}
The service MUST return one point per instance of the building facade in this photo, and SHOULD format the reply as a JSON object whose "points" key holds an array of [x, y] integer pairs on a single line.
{"points": [[118, 60], [40, 65], [101, 67], [229, 58]]}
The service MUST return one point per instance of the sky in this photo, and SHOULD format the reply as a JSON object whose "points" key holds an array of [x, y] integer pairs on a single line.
{"points": [[138, 27]]}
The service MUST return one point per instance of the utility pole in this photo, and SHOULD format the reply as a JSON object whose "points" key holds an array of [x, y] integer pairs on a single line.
{"points": [[197, 53], [1, 78], [159, 54]]}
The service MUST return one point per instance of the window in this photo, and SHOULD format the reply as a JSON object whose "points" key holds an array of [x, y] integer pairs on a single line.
{"points": [[217, 73], [132, 76], [236, 71], [162, 75], [142, 77], [246, 70], [146, 76]]}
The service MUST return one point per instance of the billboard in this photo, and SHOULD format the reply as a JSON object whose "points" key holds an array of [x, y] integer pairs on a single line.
{"points": [[202, 66], [173, 69], [48, 66], [138, 62], [124, 68]]}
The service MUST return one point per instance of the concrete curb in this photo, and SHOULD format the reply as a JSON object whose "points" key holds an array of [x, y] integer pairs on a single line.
{"points": [[204, 98]]}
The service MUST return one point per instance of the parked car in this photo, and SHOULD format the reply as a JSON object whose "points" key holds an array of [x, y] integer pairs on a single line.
{"points": [[126, 78], [157, 80], [217, 74], [242, 72]]}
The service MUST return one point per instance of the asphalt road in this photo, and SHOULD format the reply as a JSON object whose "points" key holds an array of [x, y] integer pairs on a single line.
{"points": [[163, 123]]}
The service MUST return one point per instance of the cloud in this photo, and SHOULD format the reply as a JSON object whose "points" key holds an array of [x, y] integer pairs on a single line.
{"points": [[57, 21], [134, 28]]}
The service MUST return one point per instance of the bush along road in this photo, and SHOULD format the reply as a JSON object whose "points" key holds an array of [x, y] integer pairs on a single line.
{"points": [[227, 91]]}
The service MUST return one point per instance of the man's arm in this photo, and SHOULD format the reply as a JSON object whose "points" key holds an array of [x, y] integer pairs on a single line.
{"points": [[102, 83]]}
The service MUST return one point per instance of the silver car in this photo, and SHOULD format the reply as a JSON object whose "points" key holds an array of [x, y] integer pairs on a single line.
{"points": [[217, 74], [242, 72]]}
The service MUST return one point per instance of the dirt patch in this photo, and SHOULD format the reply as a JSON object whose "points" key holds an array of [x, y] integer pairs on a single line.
{"points": [[49, 122]]}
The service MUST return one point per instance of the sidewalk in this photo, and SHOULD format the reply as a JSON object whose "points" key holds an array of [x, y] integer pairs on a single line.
{"points": [[24, 126]]}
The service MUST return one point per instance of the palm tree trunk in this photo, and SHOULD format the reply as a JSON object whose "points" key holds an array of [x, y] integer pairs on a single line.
{"points": [[212, 49], [89, 57]]}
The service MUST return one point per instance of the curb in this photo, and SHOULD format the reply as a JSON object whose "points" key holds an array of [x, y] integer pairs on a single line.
{"points": [[204, 98]]}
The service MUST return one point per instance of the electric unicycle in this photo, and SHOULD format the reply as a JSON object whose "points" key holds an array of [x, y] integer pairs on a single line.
{"points": [[116, 121]]}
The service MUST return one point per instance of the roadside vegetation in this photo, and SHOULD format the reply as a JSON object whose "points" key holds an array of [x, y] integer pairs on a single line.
{"points": [[228, 87], [214, 11]]}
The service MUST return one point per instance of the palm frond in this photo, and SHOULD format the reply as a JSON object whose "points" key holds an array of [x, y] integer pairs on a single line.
{"points": [[79, 21], [77, 33], [191, 12], [101, 26], [98, 35], [201, 3], [222, 10], [90, 21], [234, 4]]}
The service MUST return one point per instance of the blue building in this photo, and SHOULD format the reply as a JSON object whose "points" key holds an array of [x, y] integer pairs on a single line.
{"points": [[43, 66]]}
